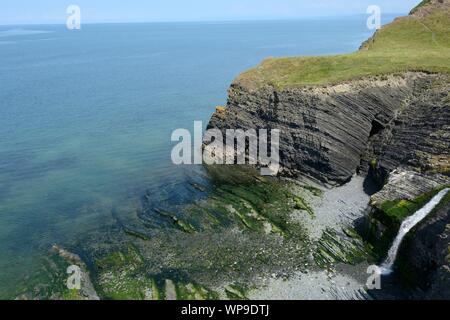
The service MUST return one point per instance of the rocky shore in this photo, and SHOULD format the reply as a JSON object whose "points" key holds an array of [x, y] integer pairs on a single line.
{"points": [[336, 210]]}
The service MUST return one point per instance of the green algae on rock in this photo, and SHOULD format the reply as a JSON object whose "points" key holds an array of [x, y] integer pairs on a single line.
{"points": [[50, 282], [347, 247], [240, 228]]}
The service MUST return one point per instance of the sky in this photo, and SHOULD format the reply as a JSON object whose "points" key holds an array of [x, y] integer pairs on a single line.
{"points": [[95, 11]]}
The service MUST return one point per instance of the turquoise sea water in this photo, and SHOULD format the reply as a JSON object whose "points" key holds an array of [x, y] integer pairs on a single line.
{"points": [[86, 116]]}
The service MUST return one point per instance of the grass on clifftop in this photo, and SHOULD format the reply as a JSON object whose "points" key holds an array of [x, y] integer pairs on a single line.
{"points": [[407, 44]]}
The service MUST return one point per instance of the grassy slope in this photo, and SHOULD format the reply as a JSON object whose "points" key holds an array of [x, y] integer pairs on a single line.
{"points": [[407, 44]]}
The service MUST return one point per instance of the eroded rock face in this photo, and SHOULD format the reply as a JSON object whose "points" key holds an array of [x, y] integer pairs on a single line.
{"points": [[408, 185], [325, 131], [418, 138], [410, 158]]}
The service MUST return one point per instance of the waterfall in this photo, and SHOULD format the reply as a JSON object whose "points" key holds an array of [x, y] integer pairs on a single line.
{"points": [[407, 225]]}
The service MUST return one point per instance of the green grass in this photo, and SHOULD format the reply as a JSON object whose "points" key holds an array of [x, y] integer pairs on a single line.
{"points": [[407, 44]]}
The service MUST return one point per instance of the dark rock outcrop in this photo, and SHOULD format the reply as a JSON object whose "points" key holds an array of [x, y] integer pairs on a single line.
{"points": [[325, 131], [418, 137]]}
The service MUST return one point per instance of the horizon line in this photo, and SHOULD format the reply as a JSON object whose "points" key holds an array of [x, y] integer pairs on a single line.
{"points": [[197, 21]]}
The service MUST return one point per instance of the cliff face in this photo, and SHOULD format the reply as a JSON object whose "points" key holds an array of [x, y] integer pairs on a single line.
{"points": [[410, 160], [327, 131], [419, 135], [323, 130]]}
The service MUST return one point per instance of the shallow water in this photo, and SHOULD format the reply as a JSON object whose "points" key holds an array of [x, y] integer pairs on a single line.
{"points": [[86, 116]]}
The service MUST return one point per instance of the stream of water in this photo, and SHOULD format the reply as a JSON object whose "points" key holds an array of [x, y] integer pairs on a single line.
{"points": [[406, 226]]}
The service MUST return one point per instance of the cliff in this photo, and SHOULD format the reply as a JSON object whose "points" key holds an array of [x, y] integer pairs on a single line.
{"points": [[383, 111], [326, 130]]}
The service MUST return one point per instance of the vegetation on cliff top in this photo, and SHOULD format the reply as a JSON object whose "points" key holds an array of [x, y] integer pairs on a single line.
{"points": [[412, 43]]}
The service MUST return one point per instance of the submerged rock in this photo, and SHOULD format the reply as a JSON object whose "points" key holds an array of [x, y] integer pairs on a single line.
{"points": [[87, 290], [51, 281]]}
